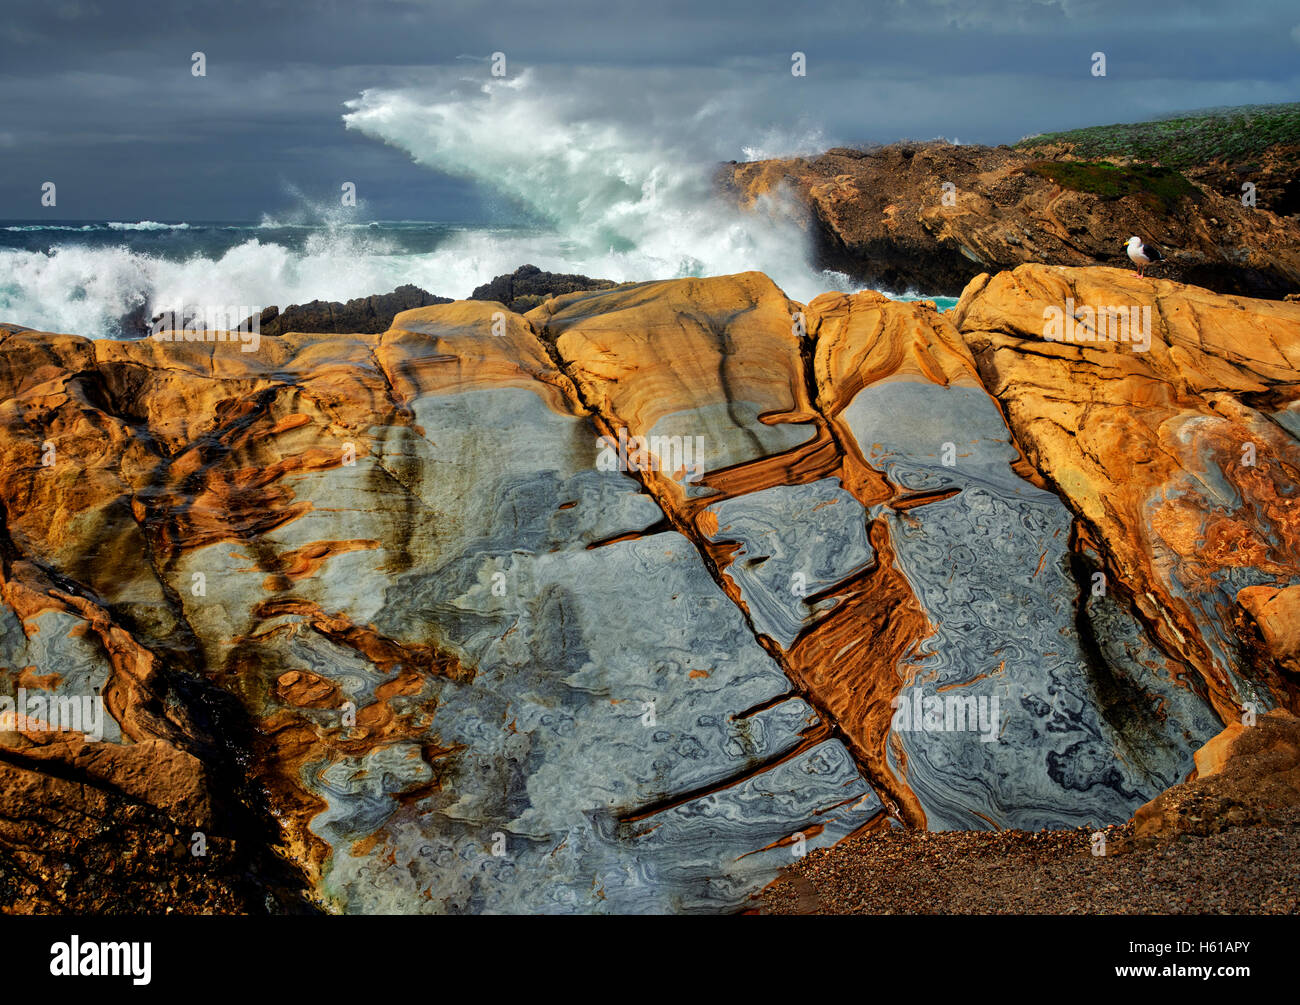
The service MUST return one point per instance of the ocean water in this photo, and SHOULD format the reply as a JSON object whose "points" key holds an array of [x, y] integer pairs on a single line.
{"points": [[627, 198], [84, 277]]}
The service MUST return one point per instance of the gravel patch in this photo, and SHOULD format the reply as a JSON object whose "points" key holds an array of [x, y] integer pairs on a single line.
{"points": [[1244, 870]]}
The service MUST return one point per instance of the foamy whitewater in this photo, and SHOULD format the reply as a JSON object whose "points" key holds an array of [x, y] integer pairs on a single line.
{"points": [[611, 200]]}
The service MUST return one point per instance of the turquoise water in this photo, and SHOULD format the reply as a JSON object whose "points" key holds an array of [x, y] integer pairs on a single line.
{"points": [[943, 303]]}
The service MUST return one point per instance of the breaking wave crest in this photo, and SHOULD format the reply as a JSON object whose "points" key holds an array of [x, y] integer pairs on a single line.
{"points": [[628, 194], [87, 290], [87, 228]]}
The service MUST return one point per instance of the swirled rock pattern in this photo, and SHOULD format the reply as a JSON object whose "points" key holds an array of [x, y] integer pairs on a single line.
{"points": [[618, 605]]}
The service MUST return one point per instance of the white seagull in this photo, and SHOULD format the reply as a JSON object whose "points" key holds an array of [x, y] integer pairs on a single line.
{"points": [[1142, 254]]}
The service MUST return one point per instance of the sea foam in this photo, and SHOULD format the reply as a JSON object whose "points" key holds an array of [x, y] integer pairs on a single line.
{"points": [[616, 194]]}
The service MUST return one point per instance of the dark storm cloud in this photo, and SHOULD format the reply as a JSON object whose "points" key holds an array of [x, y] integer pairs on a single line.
{"points": [[98, 96]]}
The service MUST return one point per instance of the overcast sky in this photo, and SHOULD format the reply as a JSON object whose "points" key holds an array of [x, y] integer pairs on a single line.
{"points": [[99, 97]]}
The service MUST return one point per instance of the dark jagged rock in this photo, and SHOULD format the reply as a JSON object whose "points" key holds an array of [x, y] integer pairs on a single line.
{"points": [[529, 286], [365, 315], [135, 322], [1275, 175]]}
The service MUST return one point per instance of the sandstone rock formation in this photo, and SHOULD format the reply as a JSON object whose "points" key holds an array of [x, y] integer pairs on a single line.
{"points": [[1180, 462], [931, 217], [619, 605]]}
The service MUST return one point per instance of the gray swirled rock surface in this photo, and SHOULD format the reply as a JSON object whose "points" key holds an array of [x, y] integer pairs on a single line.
{"points": [[617, 605]]}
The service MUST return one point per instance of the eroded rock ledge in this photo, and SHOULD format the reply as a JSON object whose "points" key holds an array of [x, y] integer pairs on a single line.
{"points": [[409, 621]]}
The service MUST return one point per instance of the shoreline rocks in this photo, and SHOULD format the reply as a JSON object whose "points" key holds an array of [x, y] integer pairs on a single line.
{"points": [[520, 290], [633, 587], [931, 216], [529, 286], [364, 315], [368, 315]]}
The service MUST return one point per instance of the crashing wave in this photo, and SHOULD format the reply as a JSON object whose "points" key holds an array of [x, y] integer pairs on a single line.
{"points": [[618, 193]]}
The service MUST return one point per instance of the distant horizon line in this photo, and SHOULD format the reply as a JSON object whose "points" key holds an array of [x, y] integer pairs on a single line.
{"points": [[122, 219]]}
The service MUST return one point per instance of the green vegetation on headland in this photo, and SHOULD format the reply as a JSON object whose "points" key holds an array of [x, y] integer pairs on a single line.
{"points": [[1227, 134], [1159, 187]]}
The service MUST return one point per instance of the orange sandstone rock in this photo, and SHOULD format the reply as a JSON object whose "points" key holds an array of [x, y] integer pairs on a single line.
{"points": [[1179, 459]]}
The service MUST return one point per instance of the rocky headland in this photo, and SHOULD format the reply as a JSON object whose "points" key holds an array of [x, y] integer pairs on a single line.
{"points": [[929, 217], [626, 602]]}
